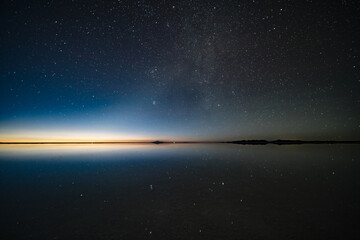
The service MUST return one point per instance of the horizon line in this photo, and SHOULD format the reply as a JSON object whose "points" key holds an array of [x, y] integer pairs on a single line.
{"points": [[244, 142]]}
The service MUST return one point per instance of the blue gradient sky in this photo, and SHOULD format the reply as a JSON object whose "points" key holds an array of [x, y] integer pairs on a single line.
{"points": [[182, 70]]}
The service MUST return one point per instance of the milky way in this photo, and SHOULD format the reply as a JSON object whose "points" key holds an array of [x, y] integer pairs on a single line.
{"points": [[180, 69]]}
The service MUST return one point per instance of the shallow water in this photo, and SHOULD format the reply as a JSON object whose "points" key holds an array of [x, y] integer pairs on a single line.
{"points": [[179, 191]]}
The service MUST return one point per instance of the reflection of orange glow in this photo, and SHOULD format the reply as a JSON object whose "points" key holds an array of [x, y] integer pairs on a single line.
{"points": [[55, 152], [23, 149]]}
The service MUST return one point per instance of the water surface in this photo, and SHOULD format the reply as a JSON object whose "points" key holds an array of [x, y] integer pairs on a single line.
{"points": [[179, 191]]}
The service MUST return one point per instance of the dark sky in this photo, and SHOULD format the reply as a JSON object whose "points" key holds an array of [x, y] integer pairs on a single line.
{"points": [[180, 69]]}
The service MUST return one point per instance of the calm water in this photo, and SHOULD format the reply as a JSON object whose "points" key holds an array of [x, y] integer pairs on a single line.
{"points": [[179, 191]]}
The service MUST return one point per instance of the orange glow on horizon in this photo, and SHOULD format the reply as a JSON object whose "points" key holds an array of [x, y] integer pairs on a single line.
{"points": [[61, 136], [71, 141], [85, 138]]}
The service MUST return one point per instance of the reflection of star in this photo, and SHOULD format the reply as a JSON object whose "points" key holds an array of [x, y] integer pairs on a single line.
{"points": [[154, 102]]}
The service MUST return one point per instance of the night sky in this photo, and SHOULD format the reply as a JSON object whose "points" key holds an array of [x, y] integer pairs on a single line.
{"points": [[209, 70]]}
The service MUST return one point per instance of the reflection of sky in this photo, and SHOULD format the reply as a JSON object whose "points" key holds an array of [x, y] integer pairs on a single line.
{"points": [[107, 151], [168, 152]]}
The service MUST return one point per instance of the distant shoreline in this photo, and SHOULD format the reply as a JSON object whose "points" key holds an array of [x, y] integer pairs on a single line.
{"points": [[240, 142], [289, 142]]}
